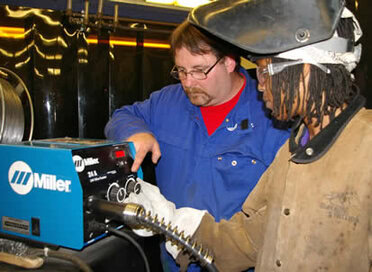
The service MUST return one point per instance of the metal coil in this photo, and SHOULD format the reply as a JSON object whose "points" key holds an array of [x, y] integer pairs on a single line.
{"points": [[12, 116]]}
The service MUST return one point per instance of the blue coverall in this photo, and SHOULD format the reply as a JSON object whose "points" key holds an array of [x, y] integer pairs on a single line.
{"points": [[214, 173]]}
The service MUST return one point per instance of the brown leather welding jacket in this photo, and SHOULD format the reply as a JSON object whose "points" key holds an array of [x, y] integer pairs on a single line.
{"points": [[310, 211]]}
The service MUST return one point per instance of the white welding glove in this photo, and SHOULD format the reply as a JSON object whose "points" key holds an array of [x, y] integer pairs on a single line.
{"points": [[186, 219], [152, 200]]}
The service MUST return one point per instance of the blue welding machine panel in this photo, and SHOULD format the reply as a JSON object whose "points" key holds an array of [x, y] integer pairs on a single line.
{"points": [[41, 195]]}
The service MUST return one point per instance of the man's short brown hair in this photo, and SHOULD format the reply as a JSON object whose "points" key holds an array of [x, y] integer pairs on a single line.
{"points": [[200, 42]]}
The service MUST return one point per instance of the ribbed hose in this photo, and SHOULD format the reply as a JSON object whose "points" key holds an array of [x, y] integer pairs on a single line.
{"points": [[135, 215]]}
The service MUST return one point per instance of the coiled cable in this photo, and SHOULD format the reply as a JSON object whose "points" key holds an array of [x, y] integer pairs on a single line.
{"points": [[134, 215]]}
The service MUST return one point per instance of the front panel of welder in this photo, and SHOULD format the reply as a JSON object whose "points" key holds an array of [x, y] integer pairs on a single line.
{"points": [[41, 196], [104, 173]]}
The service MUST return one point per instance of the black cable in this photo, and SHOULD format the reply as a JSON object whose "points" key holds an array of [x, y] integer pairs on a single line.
{"points": [[124, 235], [134, 215], [59, 255]]}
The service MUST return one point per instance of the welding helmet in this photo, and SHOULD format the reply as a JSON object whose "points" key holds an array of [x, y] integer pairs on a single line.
{"points": [[292, 29]]}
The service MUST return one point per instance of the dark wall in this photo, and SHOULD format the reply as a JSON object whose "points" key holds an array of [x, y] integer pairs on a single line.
{"points": [[126, 10], [363, 11], [75, 84]]}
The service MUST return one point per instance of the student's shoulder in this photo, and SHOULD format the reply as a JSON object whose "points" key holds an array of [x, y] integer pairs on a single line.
{"points": [[364, 116]]}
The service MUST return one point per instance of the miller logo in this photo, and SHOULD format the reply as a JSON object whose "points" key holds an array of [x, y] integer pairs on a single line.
{"points": [[80, 163], [22, 180]]}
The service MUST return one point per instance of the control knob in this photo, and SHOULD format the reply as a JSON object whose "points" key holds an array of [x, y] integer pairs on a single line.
{"points": [[116, 193], [132, 186]]}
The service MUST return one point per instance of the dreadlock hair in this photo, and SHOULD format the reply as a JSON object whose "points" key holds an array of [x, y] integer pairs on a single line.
{"points": [[324, 94], [200, 42]]}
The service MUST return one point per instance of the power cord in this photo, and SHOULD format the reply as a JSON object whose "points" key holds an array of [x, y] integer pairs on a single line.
{"points": [[102, 227], [46, 252], [126, 236]]}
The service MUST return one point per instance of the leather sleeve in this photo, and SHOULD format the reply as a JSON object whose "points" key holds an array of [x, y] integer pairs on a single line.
{"points": [[234, 244]]}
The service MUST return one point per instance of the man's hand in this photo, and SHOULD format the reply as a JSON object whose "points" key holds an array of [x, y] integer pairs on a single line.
{"points": [[144, 143]]}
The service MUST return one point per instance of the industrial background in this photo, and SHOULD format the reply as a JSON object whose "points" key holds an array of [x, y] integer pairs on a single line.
{"points": [[78, 69], [81, 61]]}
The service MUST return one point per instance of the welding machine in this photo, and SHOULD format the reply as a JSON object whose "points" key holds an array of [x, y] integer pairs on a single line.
{"points": [[44, 186]]}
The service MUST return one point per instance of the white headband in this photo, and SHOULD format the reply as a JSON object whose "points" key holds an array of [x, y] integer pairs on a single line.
{"points": [[340, 49]]}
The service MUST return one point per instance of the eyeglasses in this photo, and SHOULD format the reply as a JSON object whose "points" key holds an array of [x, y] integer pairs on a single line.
{"points": [[271, 69], [198, 74]]}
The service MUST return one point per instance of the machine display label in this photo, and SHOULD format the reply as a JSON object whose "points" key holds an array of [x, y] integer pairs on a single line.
{"points": [[22, 180], [16, 225]]}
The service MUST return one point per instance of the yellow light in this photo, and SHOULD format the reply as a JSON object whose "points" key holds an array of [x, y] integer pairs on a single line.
{"points": [[15, 30], [83, 51], [26, 13], [20, 52], [130, 42], [38, 73], [167, 2], [12, 32], [191, 3], [112, 55], [123, 43], [20, 64], [54, 71], [58, 40], [13, 36], [175, 4], [156, 45], [47, 56], [6, 53], [92, 41], [82, 60]]}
